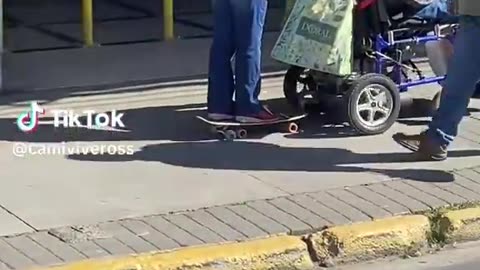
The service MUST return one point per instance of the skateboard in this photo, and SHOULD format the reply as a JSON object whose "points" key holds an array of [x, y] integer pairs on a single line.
{"points": [[231, 130]]}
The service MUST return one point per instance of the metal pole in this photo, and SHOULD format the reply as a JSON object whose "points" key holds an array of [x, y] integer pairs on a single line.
{"points": [[87, 21], [168, 20]]}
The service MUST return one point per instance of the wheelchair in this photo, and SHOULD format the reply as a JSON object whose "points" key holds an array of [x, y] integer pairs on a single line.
{"points": [[385, 41]]}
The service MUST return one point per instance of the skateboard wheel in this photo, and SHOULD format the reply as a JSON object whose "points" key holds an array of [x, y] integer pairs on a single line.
{"points": [[230, 135], [220, 134], [242, 134], [293, 128]]}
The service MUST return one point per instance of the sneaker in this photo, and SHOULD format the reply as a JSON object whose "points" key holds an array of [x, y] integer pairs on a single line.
{"points": [[422, 146], [220, 117], [264, 115]]}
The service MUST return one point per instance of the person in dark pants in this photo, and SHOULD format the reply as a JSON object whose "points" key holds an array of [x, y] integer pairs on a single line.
{"points": [[238, 32], [462, 77]]}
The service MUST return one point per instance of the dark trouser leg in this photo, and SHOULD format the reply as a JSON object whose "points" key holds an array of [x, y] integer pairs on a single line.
{"points": [[220, 78], [249, 20]]}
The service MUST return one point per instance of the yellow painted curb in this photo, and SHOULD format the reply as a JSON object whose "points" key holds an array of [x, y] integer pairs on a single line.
{"points": [[370, 240], [279, 252], [461, 225]]}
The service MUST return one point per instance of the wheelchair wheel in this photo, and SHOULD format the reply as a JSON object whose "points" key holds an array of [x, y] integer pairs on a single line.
{"points": [[373, 104], [297, 87]]}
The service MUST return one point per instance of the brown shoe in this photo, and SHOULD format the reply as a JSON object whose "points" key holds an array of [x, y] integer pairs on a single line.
{"points": [[422, 145]]}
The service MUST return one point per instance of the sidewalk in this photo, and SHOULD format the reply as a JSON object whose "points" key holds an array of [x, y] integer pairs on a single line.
{"points": [[44, 51], [111, 66], [181, 189], [293, 214]]}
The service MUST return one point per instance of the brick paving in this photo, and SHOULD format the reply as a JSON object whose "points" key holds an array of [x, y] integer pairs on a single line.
{"points": [[294, 214]]}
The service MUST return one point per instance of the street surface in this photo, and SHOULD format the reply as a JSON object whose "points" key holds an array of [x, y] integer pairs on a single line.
{"points": [[463, 257]]}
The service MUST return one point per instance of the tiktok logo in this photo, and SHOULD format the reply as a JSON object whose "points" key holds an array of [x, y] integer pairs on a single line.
{"points": [[28, 121]]}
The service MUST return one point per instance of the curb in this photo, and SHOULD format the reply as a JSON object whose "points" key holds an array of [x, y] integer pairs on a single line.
{"points": [[407, 235], [369, 240], [277, 252], [460, 226]]}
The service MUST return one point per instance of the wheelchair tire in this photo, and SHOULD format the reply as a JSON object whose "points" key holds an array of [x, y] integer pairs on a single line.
{"points": [[371, 95]]}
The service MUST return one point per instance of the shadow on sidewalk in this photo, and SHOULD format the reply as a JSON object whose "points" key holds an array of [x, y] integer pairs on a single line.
{"points": [[256, 156], [172, 123], [179, 123]]}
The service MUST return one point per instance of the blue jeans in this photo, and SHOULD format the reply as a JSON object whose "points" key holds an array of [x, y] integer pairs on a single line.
{"points": [[459, 86], [438, 11], [238, 30]]}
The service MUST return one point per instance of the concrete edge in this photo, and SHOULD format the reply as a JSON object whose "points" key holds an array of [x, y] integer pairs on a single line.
{"points": [[276, 252], [408, 235], [402, 235], [460, 225]]}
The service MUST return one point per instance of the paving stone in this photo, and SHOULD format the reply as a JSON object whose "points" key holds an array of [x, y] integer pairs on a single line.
{"points": [[114, 247], [267, 224], [149, 234], [3, 266], [235, 221], [468, 135], [321, 210], [437, 192], [316, 222], [164, 226], [57, 247], [353, 214], [379, 200], [472, 174], [412, 192], [412, 204], [458, 189], [287, 220], [194, 228], [471, 125], [127, 237], [89, 249], [33, 250], [211, 222], [467, 183], [76, 234], [13, 258], [366, 207]]}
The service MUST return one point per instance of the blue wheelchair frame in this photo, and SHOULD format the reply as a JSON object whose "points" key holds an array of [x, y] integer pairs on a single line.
{"points": [[403, 84]]}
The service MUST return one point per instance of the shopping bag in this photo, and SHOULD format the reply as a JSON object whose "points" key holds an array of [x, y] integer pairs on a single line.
{"points": [[318, 35]]}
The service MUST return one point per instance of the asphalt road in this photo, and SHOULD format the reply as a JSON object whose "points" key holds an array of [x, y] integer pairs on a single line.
{"points": [[463, 257]]}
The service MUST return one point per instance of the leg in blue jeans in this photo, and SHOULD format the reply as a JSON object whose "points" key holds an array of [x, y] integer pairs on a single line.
{"points": [[220, 78], [463, 75], [459, 86], [249, 19]]}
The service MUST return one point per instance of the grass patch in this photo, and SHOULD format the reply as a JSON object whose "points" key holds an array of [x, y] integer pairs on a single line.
{"points": [[438, 225]]}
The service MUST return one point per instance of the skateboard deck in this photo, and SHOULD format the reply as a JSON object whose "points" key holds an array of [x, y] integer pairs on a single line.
{"points": [[232, 129]]}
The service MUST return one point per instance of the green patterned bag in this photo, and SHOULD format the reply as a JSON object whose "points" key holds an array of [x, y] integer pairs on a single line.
{"points": [[318, 35]]}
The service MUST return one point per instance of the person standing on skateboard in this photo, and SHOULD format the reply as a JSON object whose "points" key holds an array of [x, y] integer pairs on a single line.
{"points": [[238, 31]]}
